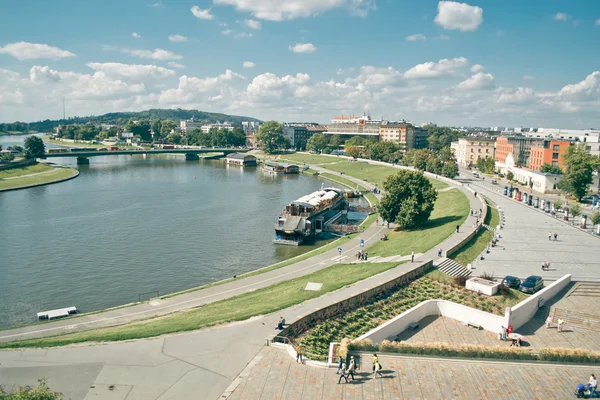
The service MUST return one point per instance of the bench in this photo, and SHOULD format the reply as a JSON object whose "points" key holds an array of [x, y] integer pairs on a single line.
{"points": [[474, 325], [413, 326]]}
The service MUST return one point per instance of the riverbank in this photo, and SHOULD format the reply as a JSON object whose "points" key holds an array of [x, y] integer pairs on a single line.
{"points": [[46, 139], [35, 175]]}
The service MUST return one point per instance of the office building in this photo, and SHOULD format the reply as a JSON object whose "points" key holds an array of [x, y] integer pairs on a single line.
{"points": [[468, 150]]}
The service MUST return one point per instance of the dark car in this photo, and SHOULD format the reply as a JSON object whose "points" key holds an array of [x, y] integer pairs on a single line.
{"points": [[532, 284], [511, 281]]}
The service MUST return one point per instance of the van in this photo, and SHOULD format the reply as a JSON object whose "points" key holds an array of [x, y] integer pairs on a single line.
{"points": [[475, 174]]}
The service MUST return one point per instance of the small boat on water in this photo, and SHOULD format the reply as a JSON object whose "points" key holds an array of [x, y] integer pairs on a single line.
{"points": [[277, 168]]}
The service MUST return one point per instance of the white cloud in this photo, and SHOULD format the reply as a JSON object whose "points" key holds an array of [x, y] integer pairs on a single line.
{"points": [[479, 81], [279, 10], [444, 37], [226, 32], [302, 48], [458, 16], [477, 68], [243, 35], [156, 54], [39, 74], [156, 4], [253, 24], [174, 64], [248, 64], [31, 51], [589, 87], [200, 13], [416, 37], [178, 38], [562, 17], [528, 78], [192, 88], [598, 22], [269, 85], [445, 67], [132, 71], [136, 35]]}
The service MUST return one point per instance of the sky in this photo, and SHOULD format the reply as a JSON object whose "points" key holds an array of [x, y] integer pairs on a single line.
{"points": [[510, 63]]}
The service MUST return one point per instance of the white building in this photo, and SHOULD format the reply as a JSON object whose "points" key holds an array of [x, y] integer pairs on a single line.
{"points": [[189, 125], [590, 137], [250, 126], [218, 125]]}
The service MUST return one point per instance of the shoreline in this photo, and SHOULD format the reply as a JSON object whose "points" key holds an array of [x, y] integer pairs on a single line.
{"points": [[74, 174]]}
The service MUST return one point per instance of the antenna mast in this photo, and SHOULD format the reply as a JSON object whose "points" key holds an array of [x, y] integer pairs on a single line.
{"points": [[64, 117]]}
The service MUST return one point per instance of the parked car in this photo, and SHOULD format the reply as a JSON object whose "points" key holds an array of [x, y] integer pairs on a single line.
{"points": [[511, 281], [494, 182], [532, 284]]}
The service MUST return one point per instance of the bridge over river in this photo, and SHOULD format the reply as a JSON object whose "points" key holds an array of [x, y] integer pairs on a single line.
{"points": [[190, 154]]}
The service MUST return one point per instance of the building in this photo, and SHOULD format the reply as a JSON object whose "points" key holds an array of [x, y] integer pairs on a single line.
{"points": [[243, 160], [354, 126], [218, 125], [251, 141], [591, 137], [551, 153], [470, 149], [189, 125], [299, 132], [409, 136], [250, 126]]}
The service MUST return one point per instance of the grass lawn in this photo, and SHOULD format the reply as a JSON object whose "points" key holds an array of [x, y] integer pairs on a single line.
{"points": [[451, 209], [474, 247], [242, 307], [343, 181], [56, 175], [30, 169], [354, 323]]}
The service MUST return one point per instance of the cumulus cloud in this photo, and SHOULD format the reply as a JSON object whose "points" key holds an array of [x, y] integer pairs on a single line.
{"points": [[589, 87], [226, 32], [156, 54], [243, 35], [31, 51], [302, 48], [458, 16], [248, 64], [174, 64], [416, 37], [442, 68], [200, 13], [191, 88], [561, 17], [528, 78], [477, 68], [136, 35], [132, 71], [278, 10], [178, 38], [253, 24], [479, 81]]}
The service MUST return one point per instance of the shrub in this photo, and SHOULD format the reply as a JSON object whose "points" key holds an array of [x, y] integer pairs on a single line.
{"points": [[503, 290], [569, 355], [460, 281], [487, 277]]}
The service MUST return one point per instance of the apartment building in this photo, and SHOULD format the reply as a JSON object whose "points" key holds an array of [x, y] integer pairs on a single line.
{"points": [[551, 152], [470, 149]]}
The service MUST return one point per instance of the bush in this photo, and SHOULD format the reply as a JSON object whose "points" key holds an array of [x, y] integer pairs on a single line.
{"points": [[461, 280], [487, 277], [569, 355], [503, 290]]}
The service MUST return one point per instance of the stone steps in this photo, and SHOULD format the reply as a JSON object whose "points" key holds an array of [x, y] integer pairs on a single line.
{"points": [[451, 267], [576, 318]]}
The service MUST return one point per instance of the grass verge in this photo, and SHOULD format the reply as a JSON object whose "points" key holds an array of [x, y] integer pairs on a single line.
{"points": [[474, 247], [451, 209], [47, 176], [238, 308], [30, 169]]}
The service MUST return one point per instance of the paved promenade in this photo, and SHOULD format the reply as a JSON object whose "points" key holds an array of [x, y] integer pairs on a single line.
{"points": [[275, 375], [200, 364]]}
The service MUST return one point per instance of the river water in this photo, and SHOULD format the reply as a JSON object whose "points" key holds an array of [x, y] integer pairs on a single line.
{"points": [[130, 225]]}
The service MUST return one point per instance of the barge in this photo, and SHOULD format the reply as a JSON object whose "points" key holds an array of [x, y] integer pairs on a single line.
{"points": [[303, 219], [276, 168]]}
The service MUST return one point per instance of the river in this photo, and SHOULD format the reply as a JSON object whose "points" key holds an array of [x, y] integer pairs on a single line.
{"points": [[130, 225]]}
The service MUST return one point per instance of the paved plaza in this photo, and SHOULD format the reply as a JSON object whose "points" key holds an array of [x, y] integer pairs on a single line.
{"points": [[276, 375]]}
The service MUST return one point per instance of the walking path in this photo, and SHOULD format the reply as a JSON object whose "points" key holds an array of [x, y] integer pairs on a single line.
{"points": [[201, 363]]}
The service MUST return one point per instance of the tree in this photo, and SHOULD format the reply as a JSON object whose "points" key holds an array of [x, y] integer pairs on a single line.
{"points": [[353, 151], [166, 127], [510, 176], [355, 141], [174, 138], [580, 167], [155, 126], [41, 392], [335, 141], [317, 142], [409, 199], [34, 147], [558, 204], [139, 128], [441, 136], [575, 211], [450, 169], [487, 164], [551, 169], [595, 218], [270, 136], [446, 154], [385, 151]]}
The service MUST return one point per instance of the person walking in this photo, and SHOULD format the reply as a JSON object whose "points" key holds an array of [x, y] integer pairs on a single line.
{"points": [[351, 367], [592, 386], [548, 321], [340, 365], [549, 235], [560, 324], [378, 370], [503, 332], [440, 252], [343, 374], [412, 256], [457, 228], [375, 361], [555, 236], [299, 354]]}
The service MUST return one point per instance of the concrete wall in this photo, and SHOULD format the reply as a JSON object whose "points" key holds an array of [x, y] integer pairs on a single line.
{"points": [[525, 310], [395, 326]]}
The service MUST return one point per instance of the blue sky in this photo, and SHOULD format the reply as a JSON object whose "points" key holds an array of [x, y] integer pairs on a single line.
{"points": [[490, 63]]}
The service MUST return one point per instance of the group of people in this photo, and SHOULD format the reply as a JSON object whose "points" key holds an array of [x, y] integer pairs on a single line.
{"points": [[592, 387], [348, 371], [281, 323], [362, 255], [560, 323], [552, 235], [546, 266], [383, 222], [474, 213]]}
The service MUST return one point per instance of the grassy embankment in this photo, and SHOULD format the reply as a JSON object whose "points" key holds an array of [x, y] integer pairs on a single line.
{"points": [[46, 139], [474, 247], [33, 175], [16, 133], [259, 302]]}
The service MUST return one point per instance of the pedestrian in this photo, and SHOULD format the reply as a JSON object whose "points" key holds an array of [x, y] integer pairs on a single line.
{"points": [[366, 256], [457, 228], [471, 212], [592, 386], [549, 235], [503, 333], [560, 324], [555, 236], [282, 321], [280, 324], [375, 361], [440, 252], [412, 256], [475, 194], [377, 222], [351, 367], [299, 354], [340, 365], [378, 370], [548, 321], [360, 254], [343, 374], [388, 224]]}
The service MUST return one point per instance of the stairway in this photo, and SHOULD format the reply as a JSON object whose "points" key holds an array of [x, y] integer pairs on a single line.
{"points": [[489, 228], [576, 319], [587, 289], [451, 267]]}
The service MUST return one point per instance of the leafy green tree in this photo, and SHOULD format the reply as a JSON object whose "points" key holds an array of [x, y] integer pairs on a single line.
{"points": [[155, 126], [385, 151], [174, 138], [34, 147], [353, 151], [317, 142], [335, 141], [355, 141], [139, 128], [575, 211], [580, 167], [551, 169], [450, 169], [434, 165], [166, 127], [510, 176], [409, 199], [595, 218], [441, 136], [270, 136], [41, 392], [446, 154], [558, 204], [487, 164]]}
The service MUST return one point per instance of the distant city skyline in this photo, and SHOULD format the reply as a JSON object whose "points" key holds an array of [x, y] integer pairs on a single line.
{"points": [[512, 63]]}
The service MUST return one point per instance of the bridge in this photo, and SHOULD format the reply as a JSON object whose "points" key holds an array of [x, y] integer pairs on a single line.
{"points": [[190, 154]]}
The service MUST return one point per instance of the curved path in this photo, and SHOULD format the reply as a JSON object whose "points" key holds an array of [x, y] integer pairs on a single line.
{"points": [[199, 364]]}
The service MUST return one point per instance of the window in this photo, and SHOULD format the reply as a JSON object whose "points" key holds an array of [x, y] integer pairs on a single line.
{"points": [[555, 163], [555, 156], [588, 148], [556, 147]]}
